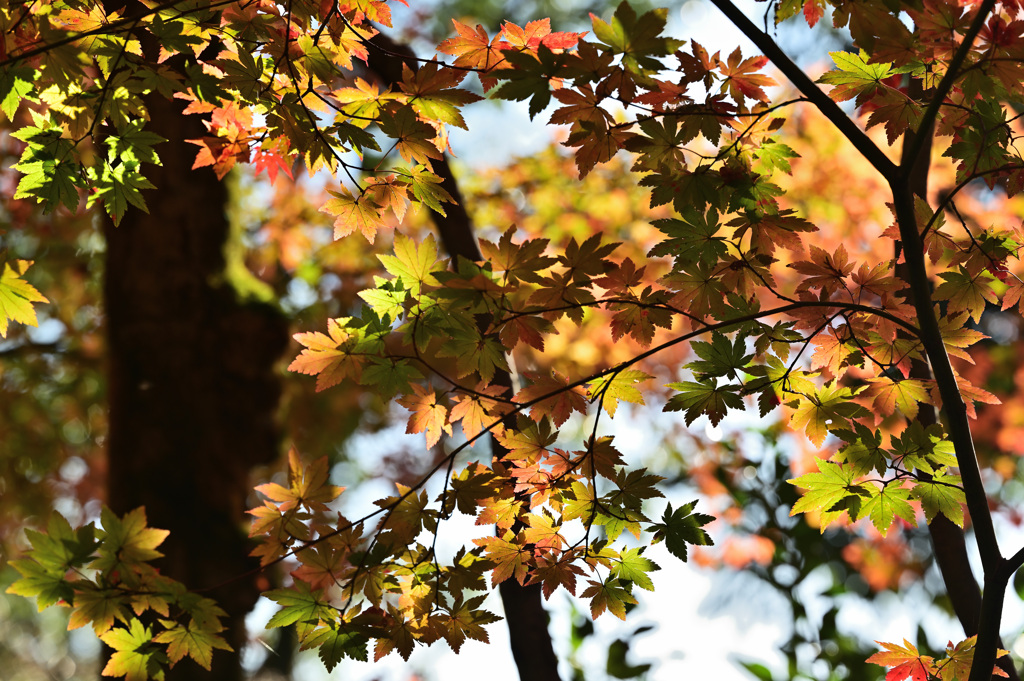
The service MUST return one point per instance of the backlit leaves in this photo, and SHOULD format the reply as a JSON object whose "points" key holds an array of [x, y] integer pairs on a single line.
{"points": [[17, 296]]}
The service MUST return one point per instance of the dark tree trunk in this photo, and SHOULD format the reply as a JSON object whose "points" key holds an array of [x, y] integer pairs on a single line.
{"points": [[192, 387]]}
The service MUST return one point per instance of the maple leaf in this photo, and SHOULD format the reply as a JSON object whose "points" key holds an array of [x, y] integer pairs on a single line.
{"points": [[610, 595], [299, 604], [307, 486], [681, 527], [433, 92], [826, 491], [856, 77], [617, 386], [476, 411], [552, 572], [190, 640], [826, 408], [957, 663], [126, 543], [414, 263], [942, 494], [742, 79], [906, 662], [354, 212], [427, 414], [551, 396], [637, 39], [510, 558], [336, 642], [473, 51], [135, 657], [884, 505], [904, 395], [324, 358], [965, 291], [16, 296], [631, 566], [467, 620], [703, 398]]}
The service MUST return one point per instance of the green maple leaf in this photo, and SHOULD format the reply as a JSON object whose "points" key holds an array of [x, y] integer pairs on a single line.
{"points": [[426, 187], [864, 451], [101, 607], [618, 386], [942, 494], [127, 543], [637, 39], [52, 177], [691, 239], [922, 449], [966, 292], [135, 656], [335, 643], [15, 86], [825, 408], [775, 156], [886, 504], [681, 527], [117, 186], [704, 398], [831, 491], [193, 640], [720, 357], [581, 504], [434, 95], [414, 263], [855, 77], [531, 77], [299, 604], [53, 554], [632, 566]]}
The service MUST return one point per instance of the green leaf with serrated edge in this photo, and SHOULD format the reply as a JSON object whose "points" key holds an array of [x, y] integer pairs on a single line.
{"points": [[15, 86], [926, 450], [829, 407], [720, 357], [582, 503], [826, 490], [775, 156], [413, 262], [966, 292], [299, 604], [135, 656], [632, 566], [863, 450], [884, 505], [618, 386], [389, 377], [942, 494], [637, 39], [855, 77], [192, 640], [681, 527], [692, 238], [337, 643], [704, 398]]}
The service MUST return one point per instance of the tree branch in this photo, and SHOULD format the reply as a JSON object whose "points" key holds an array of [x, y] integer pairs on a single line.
{"points": [[868, 149]]}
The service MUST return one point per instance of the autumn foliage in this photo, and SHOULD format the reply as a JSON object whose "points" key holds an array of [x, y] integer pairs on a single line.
{"points": [[737, 290]]}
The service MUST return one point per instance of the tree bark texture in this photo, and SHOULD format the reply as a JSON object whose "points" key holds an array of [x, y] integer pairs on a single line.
{"points": [[193, 391]]}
